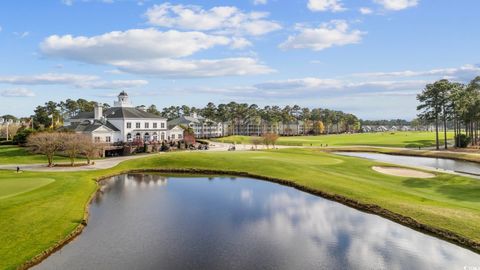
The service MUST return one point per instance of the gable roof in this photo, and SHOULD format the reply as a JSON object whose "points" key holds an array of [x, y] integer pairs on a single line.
{"points": [[119, 113], [89, 126]]}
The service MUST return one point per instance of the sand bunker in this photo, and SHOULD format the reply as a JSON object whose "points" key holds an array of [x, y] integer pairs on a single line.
{"points": [[403, 172]]}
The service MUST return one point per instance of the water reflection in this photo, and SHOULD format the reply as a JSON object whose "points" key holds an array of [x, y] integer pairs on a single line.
{"points": [[433, 163], [154, 222]]}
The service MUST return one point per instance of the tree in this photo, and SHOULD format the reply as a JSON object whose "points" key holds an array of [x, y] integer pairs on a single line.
{"points": [[270, 139], [46, 143], [22, 136], [431, 106], [72, 145], [153, 109], [89, 148], [319, 127], [256, 141]]}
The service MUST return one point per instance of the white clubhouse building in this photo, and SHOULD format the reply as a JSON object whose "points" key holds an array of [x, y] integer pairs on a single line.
{"points": [[123, 123]]}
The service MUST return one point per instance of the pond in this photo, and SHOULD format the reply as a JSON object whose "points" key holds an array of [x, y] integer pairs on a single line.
{"points": [[179, 222], [466, 167]]}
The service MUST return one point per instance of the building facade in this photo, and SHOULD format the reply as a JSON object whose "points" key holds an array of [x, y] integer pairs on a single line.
{"points": [[123, 123], [201, 126]]}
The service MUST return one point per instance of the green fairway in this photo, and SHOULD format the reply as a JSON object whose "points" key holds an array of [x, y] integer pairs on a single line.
{"points": [[14, 186], [10, 154], [388, 139], [35, 220]]}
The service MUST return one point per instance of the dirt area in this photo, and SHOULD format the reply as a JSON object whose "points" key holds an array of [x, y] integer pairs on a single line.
{"points": [[403, 172]]}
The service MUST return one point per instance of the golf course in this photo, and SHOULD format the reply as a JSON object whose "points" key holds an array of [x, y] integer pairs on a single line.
{"points": [[385, 139], [39, 210]]}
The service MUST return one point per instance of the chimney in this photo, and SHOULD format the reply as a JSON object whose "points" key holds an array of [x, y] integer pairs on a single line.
{"points": [[98, 111], [142, 108], [194, 115]]}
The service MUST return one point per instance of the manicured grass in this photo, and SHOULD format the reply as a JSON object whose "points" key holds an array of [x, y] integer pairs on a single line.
{"points": [[14, 186], [35, 220], [10, 154], [389, 139]]}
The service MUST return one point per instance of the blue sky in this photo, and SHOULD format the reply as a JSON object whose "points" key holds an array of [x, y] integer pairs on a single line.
{"points": [[368, 57]]}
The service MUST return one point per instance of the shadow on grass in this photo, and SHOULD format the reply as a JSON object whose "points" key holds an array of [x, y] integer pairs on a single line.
{"points": [[467, 193], [418, 183], [421, 143]]}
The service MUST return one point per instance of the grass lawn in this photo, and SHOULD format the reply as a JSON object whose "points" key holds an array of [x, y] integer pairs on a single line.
{"points": [[10, 154], [34, 220], [388, 139]]}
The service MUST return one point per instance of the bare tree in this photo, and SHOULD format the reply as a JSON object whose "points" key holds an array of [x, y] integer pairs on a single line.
{"points": [[73, 145], [89, 148], [46, 143], [270, 139], [256, 141]]}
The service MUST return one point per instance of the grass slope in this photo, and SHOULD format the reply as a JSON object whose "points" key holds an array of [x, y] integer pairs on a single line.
{"points": [[35, 220], [15, 186], [10, 154], [396, 139]]}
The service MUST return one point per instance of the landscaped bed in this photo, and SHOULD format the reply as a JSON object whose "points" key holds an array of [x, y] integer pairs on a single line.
{"points": [[447, 205]]}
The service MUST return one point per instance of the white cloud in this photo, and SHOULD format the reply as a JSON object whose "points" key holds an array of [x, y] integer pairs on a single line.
{"points": [[134, 44], [17, 92], [165, 67], [223, 19], [149, 51], [463, 73], [21, 34], [397, 4], [365, 10], [326, 5], [48, 78], [1, 28], [71, 2], [333, 33], [76, 80], [260, 2]]}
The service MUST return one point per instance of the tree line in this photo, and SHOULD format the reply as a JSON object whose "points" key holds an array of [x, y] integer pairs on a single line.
{"points": [[445, 103], [315, 121], [68, 143]]}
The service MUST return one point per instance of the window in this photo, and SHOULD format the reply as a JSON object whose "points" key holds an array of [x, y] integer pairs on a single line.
{"points": [[154, 125], [147, 125], [173, 136], [162, 125], [129, 137], [129, 125], [180, 136], [137, 125], [108, 139], [97, 139]]}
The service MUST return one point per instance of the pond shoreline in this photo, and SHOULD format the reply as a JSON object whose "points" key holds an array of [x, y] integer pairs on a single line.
{"points": [[468, 157], [367, 208]]}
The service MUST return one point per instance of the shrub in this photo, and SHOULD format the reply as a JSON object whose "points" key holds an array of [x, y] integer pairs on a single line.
{"points": [[462, 141], [22, 135]]}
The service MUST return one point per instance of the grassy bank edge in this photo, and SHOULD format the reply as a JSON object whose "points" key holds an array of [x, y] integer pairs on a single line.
{"points": [[470, 157], [444, 234]]}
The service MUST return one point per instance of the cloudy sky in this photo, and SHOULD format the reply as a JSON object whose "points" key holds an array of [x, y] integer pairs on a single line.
{"points": [[368, 57]]}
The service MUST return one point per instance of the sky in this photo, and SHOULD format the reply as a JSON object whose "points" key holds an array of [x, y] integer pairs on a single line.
{"points": [[367, 57]]}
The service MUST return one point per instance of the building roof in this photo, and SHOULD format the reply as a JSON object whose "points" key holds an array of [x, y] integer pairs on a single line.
{"points": [[90, 126], [119, 112]]}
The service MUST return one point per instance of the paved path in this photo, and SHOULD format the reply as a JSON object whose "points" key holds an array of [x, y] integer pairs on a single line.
{"points": [[114, 161]]}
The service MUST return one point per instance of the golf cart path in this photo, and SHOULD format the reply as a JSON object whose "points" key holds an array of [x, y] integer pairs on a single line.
{"points": [[107, 163]]}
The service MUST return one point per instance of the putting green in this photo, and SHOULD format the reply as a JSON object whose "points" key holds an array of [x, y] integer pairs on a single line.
{"points": [[13, 186]]}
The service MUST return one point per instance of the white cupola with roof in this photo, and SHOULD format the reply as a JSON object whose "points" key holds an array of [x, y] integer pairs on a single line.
{"points": [[123, 101]]}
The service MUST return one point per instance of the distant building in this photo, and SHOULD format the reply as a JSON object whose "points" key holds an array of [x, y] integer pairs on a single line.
{"points": [[123, 123], [202, 127]]}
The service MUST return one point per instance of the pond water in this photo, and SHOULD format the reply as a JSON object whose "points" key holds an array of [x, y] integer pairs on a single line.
{"points": [[159, 222], [427, 162]]}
